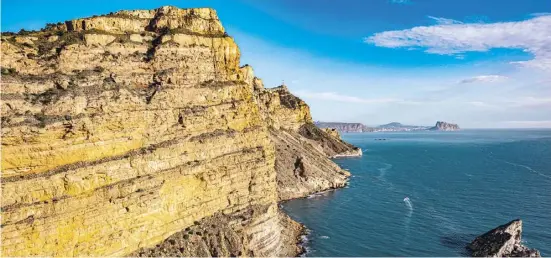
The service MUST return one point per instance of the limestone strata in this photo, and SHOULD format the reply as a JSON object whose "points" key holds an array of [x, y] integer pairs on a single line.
{"points": [[332, 132], [503, 241], [111, 144], [119, 131], [228, 236]]}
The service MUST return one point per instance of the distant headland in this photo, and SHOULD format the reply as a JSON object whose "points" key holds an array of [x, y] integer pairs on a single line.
{"points": [[390, 127]]}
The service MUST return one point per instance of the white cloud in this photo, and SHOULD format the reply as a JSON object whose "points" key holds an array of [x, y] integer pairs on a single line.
{"points": [[484, 79], [400, 1], [532, 35], [531, 102], [516, 103], [480, 104], [333, 96], [444, 21]]}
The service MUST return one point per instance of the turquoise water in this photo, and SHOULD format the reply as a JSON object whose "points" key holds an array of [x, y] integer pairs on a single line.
{"points": [[460, 184]]}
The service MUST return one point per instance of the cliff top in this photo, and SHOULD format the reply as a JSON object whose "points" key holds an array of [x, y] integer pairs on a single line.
{"points": [[187, 20]]}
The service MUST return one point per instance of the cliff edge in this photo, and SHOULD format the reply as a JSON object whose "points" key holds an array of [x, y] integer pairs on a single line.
{"points": [[302, 149], [136, 131]]}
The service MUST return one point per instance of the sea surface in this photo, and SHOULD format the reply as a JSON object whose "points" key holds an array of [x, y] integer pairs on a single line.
{"points": [[459, 184]]}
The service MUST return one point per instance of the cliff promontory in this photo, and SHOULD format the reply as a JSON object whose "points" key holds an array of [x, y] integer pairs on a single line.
{"points": [[138, 133]]}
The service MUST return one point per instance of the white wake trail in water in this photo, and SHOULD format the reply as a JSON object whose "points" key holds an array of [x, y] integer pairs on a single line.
{"points": [[527, 168], [409, 205], [407, 219], [382, 171]]}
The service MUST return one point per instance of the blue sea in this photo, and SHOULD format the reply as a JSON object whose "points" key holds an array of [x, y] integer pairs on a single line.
{"points": [[459, 184]]}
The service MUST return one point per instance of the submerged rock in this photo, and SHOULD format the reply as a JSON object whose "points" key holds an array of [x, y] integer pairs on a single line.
{"points": [[503, 241]]}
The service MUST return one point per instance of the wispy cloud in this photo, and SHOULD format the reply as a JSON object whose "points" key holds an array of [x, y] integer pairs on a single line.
{"points": [[444, 21], [333, 96], [531, 102], [529, 124], [480, 104], [484, 79], [400, 1], [532, 35], [516, 103]]}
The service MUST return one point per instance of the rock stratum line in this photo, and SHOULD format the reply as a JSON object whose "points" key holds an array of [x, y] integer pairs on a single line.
{"points": [[138, 133]]}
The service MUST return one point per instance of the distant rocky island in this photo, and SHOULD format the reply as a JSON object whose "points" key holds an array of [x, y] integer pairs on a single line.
{"points": [[443, 126], [390, 127]]}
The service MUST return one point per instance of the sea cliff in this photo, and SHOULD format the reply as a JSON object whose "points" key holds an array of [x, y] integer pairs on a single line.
{"points": [[138, 133]]}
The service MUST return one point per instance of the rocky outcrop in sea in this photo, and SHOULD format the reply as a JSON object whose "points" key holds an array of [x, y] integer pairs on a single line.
{"points": [[503, 241], [444, 126]]}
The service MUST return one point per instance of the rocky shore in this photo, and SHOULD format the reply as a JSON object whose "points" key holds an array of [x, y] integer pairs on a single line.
{"points": [[503, 241]]}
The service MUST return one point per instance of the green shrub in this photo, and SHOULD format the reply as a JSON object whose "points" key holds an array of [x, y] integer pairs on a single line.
{"points": [[7, 71]]}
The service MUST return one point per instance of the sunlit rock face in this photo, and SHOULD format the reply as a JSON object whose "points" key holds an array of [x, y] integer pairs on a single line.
{"points": [[119, 132]]}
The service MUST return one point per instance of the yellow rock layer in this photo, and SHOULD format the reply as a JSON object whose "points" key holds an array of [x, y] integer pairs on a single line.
{"points": [[112, 142], [120, 130]]}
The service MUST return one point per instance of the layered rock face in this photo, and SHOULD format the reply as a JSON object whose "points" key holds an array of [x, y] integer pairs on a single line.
{"points": [[333, 132], [503, 241], [302, 149], [443, 126], [120, 131]]}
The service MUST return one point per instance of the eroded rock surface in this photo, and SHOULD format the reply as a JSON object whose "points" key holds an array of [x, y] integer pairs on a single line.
{"points": [[503, 241], [120, 131]]}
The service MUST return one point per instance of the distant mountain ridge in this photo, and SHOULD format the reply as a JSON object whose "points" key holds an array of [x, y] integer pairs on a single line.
{"points": [[343, 127], [395, 126]]}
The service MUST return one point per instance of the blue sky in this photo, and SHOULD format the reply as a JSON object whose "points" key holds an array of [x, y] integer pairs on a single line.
{"points": [[481, 64]]}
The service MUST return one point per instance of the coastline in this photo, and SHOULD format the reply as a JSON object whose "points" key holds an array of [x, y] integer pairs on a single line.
{"points": [[349, 154], [302, 237]]}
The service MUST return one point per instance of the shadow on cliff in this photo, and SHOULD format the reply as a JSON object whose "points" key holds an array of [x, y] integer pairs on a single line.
{"points": [[458, 242]]}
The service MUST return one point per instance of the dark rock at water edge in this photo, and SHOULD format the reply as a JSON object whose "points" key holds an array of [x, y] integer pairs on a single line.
{"points": [[503, 241]]}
